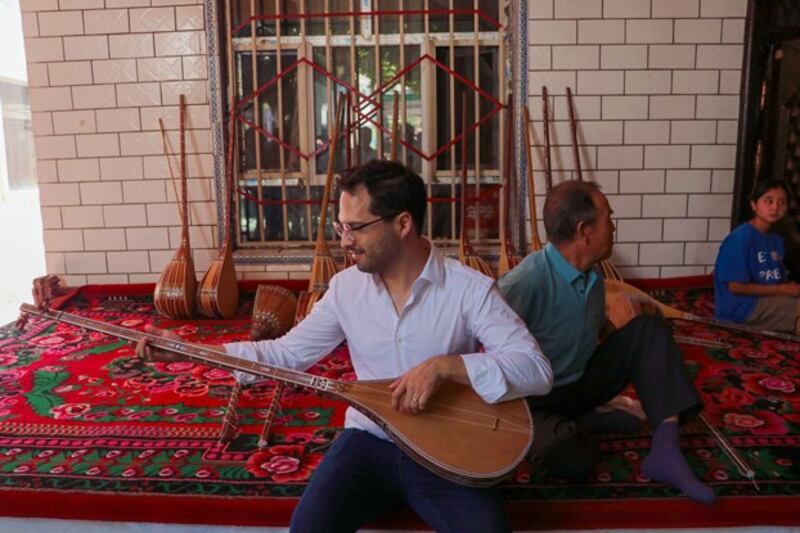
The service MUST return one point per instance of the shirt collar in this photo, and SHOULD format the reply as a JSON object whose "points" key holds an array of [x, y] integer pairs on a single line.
{"points": [[565, 269], [433, 272]]}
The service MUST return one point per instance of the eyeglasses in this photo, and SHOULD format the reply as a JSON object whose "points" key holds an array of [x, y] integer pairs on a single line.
{"points": [[348, 229]]}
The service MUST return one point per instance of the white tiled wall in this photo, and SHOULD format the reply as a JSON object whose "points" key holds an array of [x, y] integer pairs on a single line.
{"points": [[101, 74], [656, 86]]}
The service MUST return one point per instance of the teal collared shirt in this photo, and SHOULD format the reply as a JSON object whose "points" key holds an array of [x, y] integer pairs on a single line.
{"points": [[563, 308]]}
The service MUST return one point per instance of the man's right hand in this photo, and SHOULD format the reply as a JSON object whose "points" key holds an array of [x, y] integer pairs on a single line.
{"points": [[149, 354]]}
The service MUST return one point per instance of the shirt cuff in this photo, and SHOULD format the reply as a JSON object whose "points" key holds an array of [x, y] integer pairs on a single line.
{"points": [[485, 376]]}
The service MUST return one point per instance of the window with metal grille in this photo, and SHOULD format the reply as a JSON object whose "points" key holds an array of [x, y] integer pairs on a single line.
{"points": [[292, 60]]}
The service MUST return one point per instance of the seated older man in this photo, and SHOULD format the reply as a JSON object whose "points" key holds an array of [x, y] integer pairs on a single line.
{"points": [[561, 298]]}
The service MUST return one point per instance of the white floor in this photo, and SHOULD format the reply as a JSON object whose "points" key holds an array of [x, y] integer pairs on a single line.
{"points": [[22, 248]]}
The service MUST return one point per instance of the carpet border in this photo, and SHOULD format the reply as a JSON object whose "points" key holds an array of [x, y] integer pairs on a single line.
{"points": [[576, 514]]}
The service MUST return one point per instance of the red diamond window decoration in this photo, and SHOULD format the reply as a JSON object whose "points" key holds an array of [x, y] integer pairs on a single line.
{"points": [[368, 117], [246, 102]]}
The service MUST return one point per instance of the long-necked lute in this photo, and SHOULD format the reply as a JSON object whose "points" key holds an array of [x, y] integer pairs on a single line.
{"points": [[613, 286], [459, 436]]}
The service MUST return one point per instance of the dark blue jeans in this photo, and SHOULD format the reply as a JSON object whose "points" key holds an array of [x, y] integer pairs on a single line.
{"points": [[362, 477]]}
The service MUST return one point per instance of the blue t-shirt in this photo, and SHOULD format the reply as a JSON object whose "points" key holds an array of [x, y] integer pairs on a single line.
{"points": [[746, 256]]}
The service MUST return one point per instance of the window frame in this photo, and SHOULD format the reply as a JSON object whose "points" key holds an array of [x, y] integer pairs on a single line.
{"points": [[428, 43]]}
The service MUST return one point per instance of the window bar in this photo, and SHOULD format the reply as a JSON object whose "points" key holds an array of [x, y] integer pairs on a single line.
{"points": [[428, 82], [502, 96], [257, 121], [402, 133], [452, 108], [281, 149], [232, 116], [476, 116], [354, 102], [378, 76], [329, 86], [307, 167]]}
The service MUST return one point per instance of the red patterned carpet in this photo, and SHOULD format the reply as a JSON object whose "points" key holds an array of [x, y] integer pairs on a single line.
{"points": [[88, 432]]}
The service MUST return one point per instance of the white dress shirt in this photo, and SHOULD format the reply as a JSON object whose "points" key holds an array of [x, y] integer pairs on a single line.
{"points": [[451, 309]]}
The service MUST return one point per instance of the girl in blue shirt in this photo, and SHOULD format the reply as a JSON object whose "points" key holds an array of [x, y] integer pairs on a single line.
{"points": [[751, 284]]}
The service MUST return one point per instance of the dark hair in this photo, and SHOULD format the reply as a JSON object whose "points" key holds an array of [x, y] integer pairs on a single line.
{"points": [[392, 187], [567, 204], [761, 188]]}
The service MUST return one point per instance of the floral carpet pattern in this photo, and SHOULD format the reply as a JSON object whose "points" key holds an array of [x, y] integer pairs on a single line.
{"points": [[79, 413]]}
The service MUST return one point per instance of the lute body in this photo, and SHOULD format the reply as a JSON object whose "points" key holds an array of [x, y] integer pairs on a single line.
{"points": [[459, 436]]}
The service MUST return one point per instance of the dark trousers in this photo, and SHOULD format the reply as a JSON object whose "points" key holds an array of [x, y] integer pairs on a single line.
{"points": [[643, 353], [362, 477]]}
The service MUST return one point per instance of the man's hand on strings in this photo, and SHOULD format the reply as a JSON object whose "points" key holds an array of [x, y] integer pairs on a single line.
{"points": [[412, 392], [149, 354]]}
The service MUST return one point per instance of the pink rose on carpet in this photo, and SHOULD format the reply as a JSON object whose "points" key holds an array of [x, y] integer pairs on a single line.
{"points": [[140, 381], [214, 374], [59, 469], [95, 471], [742, 421], [69, 410], [131, 472], [8, 359], [178, 367], [206, 473], [139, 415], [11, 375], [192, 389], [759, 423], [23, 469], [762, 384], [283, 463], [777, 384]]}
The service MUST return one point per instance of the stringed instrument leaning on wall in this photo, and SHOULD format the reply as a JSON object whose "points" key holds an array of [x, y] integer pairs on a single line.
{"points": [[175, 292], [323, 265], [218, 294], [466, 254], [509, 257], [459, 436]]}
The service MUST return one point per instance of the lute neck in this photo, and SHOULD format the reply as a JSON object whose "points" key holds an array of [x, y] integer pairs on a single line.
{"points": [[198, 353]]}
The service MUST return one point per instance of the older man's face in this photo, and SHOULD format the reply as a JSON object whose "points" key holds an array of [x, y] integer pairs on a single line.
{"points": [[601, 233]]}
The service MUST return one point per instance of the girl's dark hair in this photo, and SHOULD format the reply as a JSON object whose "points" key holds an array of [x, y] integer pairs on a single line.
{"points": [[761, 188], [393, 188]]}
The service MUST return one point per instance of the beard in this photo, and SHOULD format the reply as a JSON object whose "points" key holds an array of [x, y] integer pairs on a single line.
{"points": [[374, 259]]}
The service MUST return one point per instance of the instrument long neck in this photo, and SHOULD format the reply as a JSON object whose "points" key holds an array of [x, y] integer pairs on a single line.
{"points": [[229, 178], [213, 357], [573, 127], [505, 225], [548, 168], [326, 195], [184, 193], [464, 159]]}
